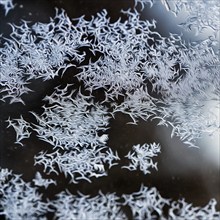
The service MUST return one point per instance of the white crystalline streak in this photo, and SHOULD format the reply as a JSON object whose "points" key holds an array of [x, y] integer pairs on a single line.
{"points": [[38, 51], [141, 157], [78, 165], [72, 122], [7, 4], [143, 3], [83, 207], [182, 210], [40, 181], [22, 129], [147, 203], [18, 199], [201, 14]]}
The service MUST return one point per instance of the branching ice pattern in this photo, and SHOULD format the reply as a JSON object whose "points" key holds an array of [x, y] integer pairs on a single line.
{"points": [[147, 203], [22, 128], [40, 181], [68, 206], [141, 157], [158, 78], [18, 199], [182, 210], [38, 51], [7, 4], [201, 14], [70, 122], [78, 164]]}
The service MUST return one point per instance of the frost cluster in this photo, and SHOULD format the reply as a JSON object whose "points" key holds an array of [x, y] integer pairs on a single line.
{"points": [[78, 164], [201, 14], [68, 122], [74, 207], [7, 5], [39, 51], [141, 73], [141, 157], [147, 203], [21, 127], [182, 210], [40, 181], [18, 199]]}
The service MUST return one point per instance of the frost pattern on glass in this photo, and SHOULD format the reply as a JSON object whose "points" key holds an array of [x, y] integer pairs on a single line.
{"points": [[68, 206], [141, 157], [40, 51], [7, 5], [22, 128], [69, 121], [156, 77], [201, 14], [40, 181], [78, 164], [18, 199], [182, 210], [147, 203]]}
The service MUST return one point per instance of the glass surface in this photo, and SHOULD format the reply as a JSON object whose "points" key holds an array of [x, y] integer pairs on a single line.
{"points": [[186, 101]]}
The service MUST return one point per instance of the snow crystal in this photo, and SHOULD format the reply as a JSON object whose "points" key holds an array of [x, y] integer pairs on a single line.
{"points": [[22, 129], [78, 165], [68, 206], [69, 122], [141, 157], [40, 181], [182, 210], [18, 199], [7, 4]]}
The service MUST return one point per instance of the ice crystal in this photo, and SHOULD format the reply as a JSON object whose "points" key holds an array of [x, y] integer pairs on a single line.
{"points": [[144, 2], [201, 14], [78, 164], [22, 129], [7, 4], [39, 181], [182, 210], [141, 157], [38, 51], [18, 199], [68, 206], [159, 78], [69, 122], [147, 203], [125, 49]]}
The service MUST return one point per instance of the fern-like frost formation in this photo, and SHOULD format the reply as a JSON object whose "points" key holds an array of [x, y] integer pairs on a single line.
{"points": [[138, 73]]}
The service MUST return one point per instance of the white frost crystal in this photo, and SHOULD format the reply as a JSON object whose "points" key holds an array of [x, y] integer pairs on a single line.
{"points": [[40, 181], [78, 164], [141, 157], [84, 207], [7, 4], [71, 122], [18, 199], [140, 73], [22, 129]]}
